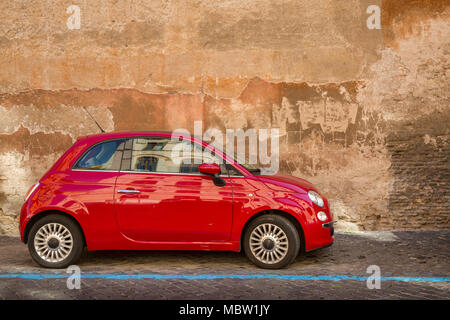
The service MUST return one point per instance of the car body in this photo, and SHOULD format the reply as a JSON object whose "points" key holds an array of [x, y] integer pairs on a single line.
{"points": [[137, 200]]}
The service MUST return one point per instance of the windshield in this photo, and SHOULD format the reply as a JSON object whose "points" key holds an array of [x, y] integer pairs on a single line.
{"points": [[253, 168]]}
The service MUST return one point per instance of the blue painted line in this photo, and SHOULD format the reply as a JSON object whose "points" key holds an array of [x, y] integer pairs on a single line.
{"points": [[37, 276]]}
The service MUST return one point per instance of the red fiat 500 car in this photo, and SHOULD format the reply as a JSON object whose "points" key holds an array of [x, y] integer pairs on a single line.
{"points": [[154, 191]]}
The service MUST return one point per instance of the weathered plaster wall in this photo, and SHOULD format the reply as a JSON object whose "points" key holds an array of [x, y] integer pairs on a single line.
{"points": [[364, 114]]}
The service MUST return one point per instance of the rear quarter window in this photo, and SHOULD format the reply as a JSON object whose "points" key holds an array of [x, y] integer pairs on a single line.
{"points": [[102, 156]]}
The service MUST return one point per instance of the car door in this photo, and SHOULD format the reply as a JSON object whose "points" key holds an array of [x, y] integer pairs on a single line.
{"points": [[161, 197]]}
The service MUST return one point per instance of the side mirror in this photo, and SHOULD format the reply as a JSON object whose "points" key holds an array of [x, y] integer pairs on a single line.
{"points": [[213, 170], [209, 168]]}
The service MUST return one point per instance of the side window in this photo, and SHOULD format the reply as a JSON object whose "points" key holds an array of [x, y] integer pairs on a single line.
{"points": [[152, 154], [162, 154], [103, 156]]}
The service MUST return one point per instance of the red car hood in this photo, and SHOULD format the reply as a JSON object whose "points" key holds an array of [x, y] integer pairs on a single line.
{"points": [[279, 182]]}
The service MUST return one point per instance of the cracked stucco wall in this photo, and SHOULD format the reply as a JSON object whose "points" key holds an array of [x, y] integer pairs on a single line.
{"points": [[362, 113]]}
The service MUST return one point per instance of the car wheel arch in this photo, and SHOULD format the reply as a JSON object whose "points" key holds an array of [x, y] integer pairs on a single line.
{"points": [[282, 213], [38, 216]]}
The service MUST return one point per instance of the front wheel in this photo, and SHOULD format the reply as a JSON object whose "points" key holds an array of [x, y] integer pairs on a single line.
{"points": [[271, 242], [55, 241]]}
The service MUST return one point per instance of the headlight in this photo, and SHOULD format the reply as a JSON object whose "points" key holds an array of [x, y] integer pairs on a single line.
{"points": [[316, 198], [322, 216]]}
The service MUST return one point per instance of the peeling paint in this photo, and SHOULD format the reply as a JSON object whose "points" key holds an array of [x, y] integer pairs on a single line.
{"points": [[363, 114], [54, 120]]}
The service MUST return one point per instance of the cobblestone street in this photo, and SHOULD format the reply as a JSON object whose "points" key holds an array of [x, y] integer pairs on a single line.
{"points": [[421, 258]]}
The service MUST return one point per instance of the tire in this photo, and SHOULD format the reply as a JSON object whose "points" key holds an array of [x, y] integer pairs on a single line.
{"points": [[271, 242], [55, 241]]}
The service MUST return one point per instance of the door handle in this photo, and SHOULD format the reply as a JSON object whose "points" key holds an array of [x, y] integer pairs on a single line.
{"points": [[128, 191]]}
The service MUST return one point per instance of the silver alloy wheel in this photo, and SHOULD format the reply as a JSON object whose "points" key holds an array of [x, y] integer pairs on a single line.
{"points": [[53, 242], [268, 243]]}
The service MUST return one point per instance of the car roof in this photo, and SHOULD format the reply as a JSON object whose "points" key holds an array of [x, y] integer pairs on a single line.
{"points": [[119, 134]]}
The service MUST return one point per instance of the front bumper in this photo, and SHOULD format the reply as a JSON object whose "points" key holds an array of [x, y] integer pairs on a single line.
{"points": [[320, 235], [329, 225]]}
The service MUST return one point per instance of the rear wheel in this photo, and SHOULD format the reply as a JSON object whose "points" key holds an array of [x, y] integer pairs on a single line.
{"points": [[271, 242], [55, 241]]}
